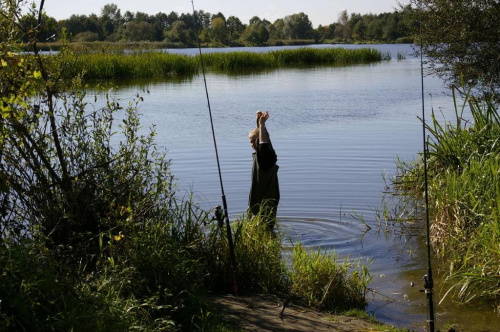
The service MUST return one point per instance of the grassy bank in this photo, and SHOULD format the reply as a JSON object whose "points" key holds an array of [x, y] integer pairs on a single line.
{"points": [[149, 64], [157, 277], [464, 195]]}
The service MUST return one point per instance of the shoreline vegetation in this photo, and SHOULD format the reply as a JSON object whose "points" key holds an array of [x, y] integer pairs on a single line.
{"points": [[151, 64], [464, 195]]}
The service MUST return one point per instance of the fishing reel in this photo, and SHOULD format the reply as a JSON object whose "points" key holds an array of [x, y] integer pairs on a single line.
{"points": [[428, 285], [218, 215]]}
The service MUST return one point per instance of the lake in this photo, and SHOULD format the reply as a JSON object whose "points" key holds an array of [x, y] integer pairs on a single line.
{"points": [[337, 132]]}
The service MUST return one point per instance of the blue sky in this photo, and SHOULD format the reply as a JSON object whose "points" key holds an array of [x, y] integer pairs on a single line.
{"points": [[319, 11]]}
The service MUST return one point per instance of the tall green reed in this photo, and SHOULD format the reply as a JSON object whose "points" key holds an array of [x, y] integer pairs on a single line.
{"points": [[260, 266]]}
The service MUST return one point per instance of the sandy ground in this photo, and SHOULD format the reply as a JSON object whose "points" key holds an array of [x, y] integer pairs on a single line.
{"points": [[262, 313]]}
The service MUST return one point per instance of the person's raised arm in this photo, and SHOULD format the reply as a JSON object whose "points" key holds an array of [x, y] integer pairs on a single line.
{"points": [[266, 156], [261, 124]]}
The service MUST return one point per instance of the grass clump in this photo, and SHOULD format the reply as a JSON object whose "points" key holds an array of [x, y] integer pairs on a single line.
{"points": [[260, 267], [318, 278], [464, 191], [335, 56], [312, 277]]}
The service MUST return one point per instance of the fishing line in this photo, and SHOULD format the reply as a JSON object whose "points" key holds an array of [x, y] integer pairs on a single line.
{"points": [[428, 281], [225, 216]]}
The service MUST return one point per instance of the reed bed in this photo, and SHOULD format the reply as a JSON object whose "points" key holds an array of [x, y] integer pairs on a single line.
{"points": [[335, 56], [464, 191], [136, 64], [296, 57], [149, 64], [99, 46]]}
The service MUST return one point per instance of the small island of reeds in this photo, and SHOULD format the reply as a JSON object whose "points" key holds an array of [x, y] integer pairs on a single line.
{"points": [[149, 64]]}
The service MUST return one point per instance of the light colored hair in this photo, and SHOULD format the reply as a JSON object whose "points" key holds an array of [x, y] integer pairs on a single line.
{"points": [[254, 132]]}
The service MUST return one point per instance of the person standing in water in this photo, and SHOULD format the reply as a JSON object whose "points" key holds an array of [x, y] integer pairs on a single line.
{"points": [[264, 191]]}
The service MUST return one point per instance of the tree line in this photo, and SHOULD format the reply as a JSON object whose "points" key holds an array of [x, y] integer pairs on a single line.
{"points": [[218, 30]]}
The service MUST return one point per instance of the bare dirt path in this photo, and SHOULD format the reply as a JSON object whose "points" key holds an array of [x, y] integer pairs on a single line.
{"points": [[262, 313]]}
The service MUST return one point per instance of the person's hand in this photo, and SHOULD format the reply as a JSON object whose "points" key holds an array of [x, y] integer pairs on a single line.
{"points": [[262, 117]]}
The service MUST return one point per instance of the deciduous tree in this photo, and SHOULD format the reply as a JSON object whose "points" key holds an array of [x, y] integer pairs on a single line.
{"points": [[138, 31], [256, 33], [299, 26], [235, 27], [461, 39], [179, 33], [219, 30], [343, 29]]}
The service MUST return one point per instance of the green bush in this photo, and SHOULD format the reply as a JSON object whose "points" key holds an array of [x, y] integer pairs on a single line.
{"points": [[39, 293], [87, 36], [404, 40]]}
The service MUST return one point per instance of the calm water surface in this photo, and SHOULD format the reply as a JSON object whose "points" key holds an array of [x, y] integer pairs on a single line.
{"points": [[337, 132]]}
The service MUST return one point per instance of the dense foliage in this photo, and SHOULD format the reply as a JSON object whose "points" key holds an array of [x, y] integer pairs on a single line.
{"points": [[461, 39], [215, 29]]}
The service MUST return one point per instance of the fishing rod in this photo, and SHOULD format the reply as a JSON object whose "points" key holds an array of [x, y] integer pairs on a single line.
{"points": [[428, 281], [219, 216]]}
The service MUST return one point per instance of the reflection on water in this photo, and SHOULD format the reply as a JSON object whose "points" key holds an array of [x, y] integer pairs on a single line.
{"points": [[337, 131]]}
